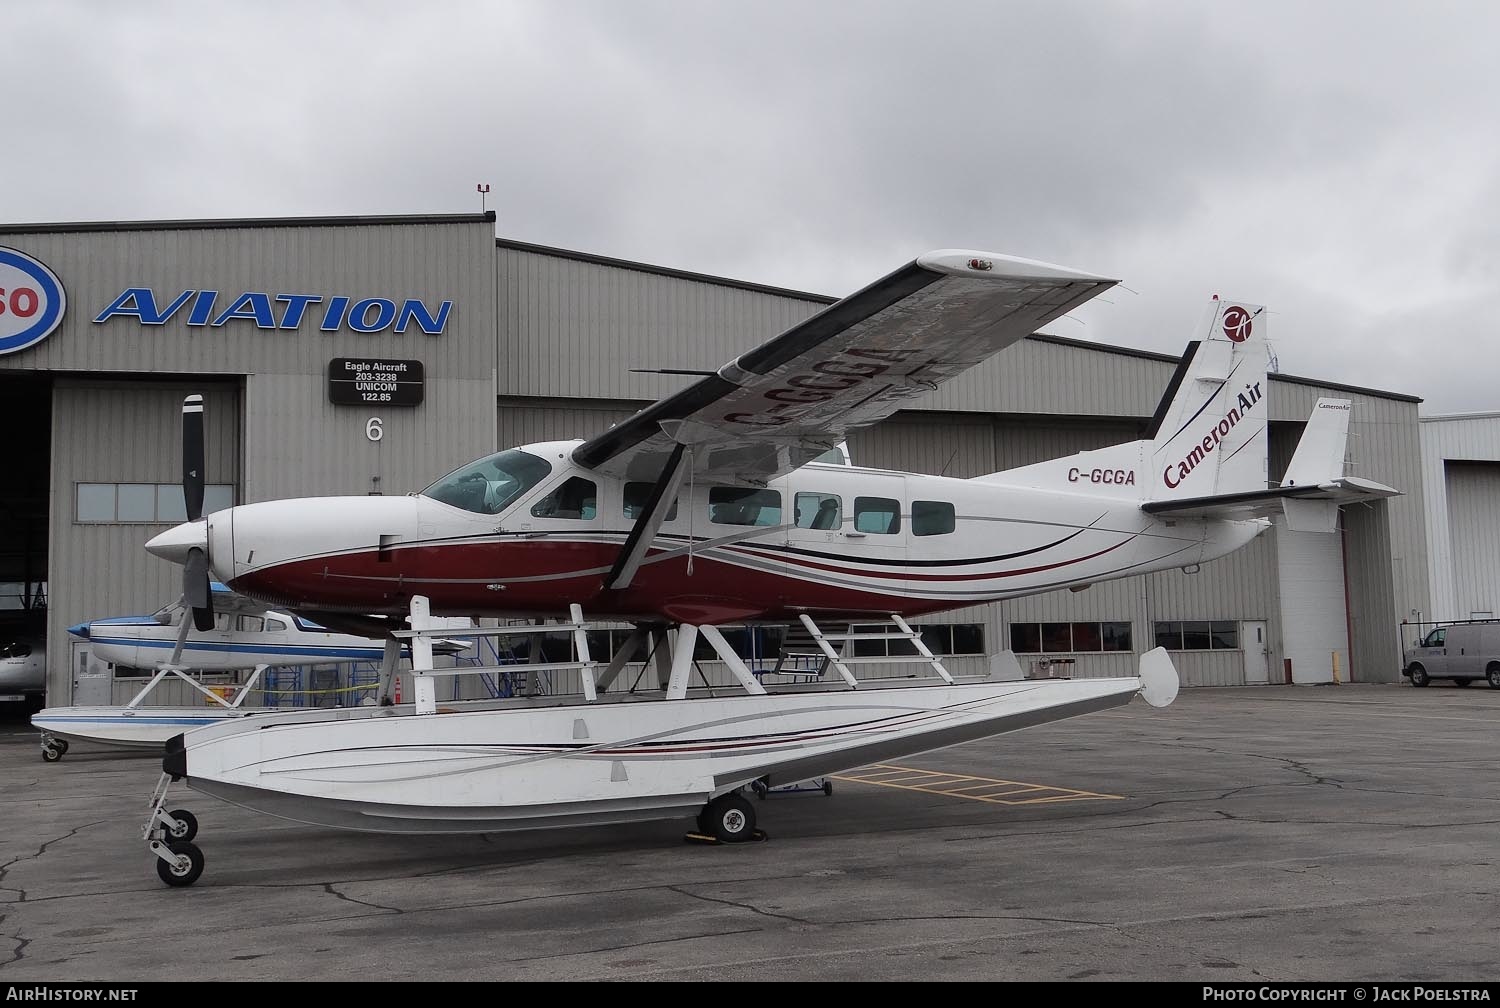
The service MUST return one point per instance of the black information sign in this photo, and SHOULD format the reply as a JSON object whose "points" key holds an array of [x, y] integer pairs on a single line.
{"points": [[365, 381]]}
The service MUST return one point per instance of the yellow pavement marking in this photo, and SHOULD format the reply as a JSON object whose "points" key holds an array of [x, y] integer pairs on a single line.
{"points": [[965, 785]]}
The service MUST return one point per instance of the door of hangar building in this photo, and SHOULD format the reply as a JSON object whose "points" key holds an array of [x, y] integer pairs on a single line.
{"points": [[1314, 605]]}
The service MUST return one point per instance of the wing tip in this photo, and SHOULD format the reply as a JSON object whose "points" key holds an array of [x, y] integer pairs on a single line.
{"points": [[974, 263]]}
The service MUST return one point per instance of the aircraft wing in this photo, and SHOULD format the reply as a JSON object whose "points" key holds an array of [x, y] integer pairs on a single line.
{"points": [[855, 363]]}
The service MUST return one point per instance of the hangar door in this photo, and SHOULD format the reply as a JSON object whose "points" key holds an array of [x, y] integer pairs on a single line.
{"points": [[1474, 526], [1314, 605]]}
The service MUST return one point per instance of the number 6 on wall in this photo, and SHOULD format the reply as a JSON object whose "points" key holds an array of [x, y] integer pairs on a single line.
{"points": [[373, 429]]}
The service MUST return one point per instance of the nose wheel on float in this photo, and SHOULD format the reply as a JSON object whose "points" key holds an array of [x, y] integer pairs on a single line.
{"points": [[169, 836], [53, 749]]}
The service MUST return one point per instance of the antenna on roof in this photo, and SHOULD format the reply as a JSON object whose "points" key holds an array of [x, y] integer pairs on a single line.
{"points": [[483, 188]]}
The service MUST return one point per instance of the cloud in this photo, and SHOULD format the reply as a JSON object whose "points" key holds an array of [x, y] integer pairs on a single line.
{"points": [[1333, 160]]}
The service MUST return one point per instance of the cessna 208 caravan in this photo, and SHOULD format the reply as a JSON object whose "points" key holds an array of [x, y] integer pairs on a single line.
{"points": [[719, 505]]}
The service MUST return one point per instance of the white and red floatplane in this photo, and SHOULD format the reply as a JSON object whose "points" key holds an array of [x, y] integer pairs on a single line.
{"points": [[730, 502]]}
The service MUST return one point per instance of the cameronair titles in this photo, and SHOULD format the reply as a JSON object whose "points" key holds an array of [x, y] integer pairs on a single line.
{"points": [[1175, 473]]}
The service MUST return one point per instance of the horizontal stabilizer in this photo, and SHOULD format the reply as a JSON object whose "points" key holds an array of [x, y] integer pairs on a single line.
{"points": [[1286, 500], [1312, 491]]}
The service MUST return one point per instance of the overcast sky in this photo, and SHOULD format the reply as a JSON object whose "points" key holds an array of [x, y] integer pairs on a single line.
{"points": [[1335, 161]]}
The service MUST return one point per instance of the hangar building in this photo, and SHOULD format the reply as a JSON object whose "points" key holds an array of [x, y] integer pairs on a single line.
{"points": [[109, 325]]}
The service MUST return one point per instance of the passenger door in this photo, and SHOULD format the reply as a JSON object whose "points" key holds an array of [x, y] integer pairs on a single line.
{"points": [[818, 516], [873, 522], [1431, 653]]}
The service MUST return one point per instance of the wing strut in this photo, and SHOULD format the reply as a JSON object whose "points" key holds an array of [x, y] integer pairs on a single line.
{"points": [[643, 532]]}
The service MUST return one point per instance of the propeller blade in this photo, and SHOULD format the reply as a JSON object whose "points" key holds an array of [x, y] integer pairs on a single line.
{"points": [[192, 456], [196, 591]]}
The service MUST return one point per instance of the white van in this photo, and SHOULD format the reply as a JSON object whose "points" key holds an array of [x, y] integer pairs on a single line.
{"points": [[1462, 652]]}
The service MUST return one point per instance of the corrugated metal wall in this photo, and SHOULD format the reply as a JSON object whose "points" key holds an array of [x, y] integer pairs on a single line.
{"points": [[1371, 579], [524, 421], [114, 432], [575, 328], [298, 444]]}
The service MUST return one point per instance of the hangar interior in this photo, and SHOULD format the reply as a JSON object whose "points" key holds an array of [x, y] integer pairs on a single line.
{"points": [[538, 343], [25, 410]]}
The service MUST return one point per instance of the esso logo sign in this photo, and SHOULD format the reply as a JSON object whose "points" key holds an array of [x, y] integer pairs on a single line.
{"points": [[31, 301]]}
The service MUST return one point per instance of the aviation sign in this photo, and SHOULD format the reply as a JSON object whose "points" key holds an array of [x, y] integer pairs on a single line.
{"points": [[364, 381]]}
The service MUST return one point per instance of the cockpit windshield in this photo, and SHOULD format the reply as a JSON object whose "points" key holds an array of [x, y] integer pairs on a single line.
{"points": [[491, 484]]}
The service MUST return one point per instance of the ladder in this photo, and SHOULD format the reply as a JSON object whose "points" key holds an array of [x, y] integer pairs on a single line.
{"points": [[835, 658]]}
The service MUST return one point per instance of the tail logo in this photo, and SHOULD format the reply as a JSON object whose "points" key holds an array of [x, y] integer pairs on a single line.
{"points": [[1237, 323]]}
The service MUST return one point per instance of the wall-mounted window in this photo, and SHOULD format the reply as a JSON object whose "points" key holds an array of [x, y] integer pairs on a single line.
{"points": [[1197, 635], [143, 503], [742, 506], [940, 638], [760, 646], [1070, 638]]}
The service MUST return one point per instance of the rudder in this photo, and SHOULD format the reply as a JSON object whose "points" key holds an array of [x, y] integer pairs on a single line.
{"points": [[1209, 434]]}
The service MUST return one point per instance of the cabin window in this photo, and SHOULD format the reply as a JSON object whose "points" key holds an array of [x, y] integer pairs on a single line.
{"points": [[1436, 638], [275, 625], [637, 495], [489, 485], [931, 518], [252, 624], [819, 511], [880, 515], [1197, 635], [834, 456], [576, 497], [742, 506]]}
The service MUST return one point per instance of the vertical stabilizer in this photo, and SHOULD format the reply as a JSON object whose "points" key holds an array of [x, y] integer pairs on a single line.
{"points": [[1318, 460], [1319, 457], [1209, 434]]}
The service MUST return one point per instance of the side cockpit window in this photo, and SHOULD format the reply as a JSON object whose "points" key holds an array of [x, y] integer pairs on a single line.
{"points": [[575, 497], [491, 484]]}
